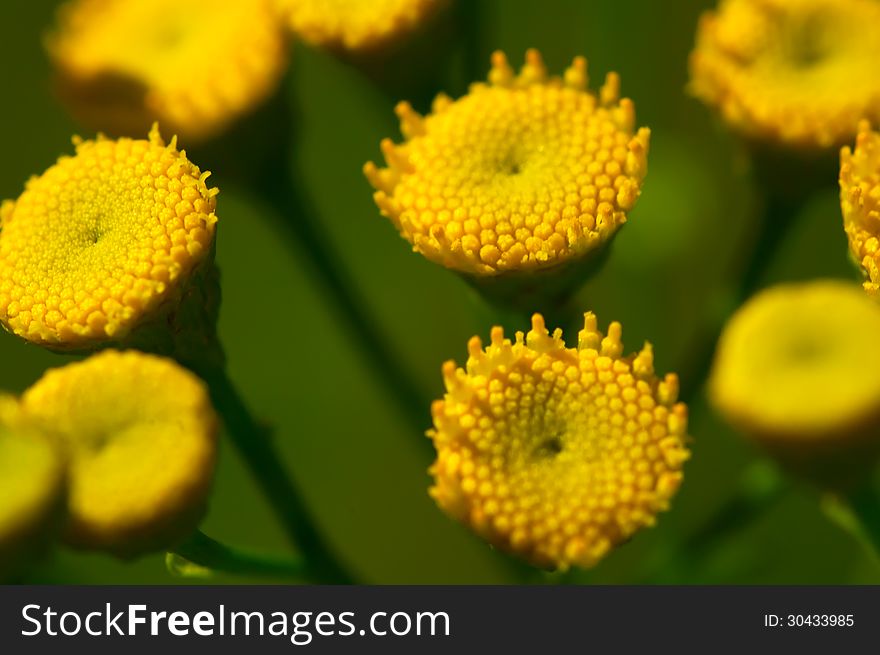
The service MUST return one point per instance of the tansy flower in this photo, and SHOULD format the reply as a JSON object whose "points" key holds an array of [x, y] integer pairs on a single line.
{"points": [[553, 453], [860, 203], [799, 73], [103, 241], [140, 435], [523, 173], [797, 366], [31, 488], [355, 25], [194, 66]]}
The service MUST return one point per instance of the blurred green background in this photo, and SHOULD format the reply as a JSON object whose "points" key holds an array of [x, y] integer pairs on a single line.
{"points": [[361, 468]]}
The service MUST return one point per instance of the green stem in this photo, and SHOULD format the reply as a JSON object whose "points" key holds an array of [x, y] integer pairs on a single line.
{"points": [[750, 499], [858, 513], [471, 20], [209, 553], [760, 487], [259, 161], [778, 217], [255, 445], [297, 220]]}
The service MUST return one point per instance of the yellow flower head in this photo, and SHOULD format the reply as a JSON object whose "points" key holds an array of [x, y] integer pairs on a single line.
{"points": [[31, 487], [860, 203], [195, 66], [557, 454], [522, 173], [140, 435], [355, 25], [798, 363], [102, 241], [799, 73]]}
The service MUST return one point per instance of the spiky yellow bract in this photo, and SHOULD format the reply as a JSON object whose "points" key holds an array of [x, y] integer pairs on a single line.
{"points": [[139, 432], [557, 454], [355, 25], [103, 241], [795, 73], [194, 66], [523, 173], [31, 487], [797, 365], [860, 203]]}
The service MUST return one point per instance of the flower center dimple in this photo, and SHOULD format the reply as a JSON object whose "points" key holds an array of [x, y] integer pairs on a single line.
{"points": [[511, 163], [805, 351], [550, 440], [550, 447], [510, 166], [94, 228], [804, 44], [169, 36]]}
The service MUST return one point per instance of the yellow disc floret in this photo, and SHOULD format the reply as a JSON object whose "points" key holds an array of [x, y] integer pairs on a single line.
{"points": [[31, 487], [194, 66], [525, 172], [140, 435], [798, 73], [102, 241], [860, 204], [355, 25], [557, 454], [798, 363]]}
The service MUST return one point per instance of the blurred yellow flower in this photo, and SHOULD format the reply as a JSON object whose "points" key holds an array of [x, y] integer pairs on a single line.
{"points": [[194, 66], [798, 363], [103, 241], [31, 488], [522, 173], [355, 25], [557, 454], [140, 435], [860, 203], [800, 73]]}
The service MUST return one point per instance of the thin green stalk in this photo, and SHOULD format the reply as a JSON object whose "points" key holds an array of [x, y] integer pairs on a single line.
{"points": [[254, 443], [297, 219], [778, 217], [858, 513], [259, 161], [471, 19], [760, 486], [207, 553]]}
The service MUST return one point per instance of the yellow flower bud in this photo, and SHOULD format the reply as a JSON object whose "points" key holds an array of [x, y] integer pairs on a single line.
{"points": [[796, 370], [140, 436], [554, 453], [524, 173], [194, 66], [860, 204], [31, 490], [355, 25], [793, 73], [103, 242]]}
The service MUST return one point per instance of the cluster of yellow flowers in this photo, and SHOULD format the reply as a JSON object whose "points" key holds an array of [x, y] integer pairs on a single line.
{"points": [[794, 366], [554, 453], [197, 67], [114, 453], [117, 452]]}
